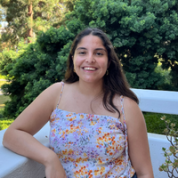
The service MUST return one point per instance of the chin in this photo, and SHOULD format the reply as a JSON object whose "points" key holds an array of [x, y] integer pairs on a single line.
{"points": [[93, 80]]}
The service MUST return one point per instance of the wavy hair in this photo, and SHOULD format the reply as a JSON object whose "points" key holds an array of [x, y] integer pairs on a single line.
{"points": [[115, 82]]}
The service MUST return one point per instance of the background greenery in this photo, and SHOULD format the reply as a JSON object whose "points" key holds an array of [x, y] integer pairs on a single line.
{"points": [[27, 17], [144, 35]]}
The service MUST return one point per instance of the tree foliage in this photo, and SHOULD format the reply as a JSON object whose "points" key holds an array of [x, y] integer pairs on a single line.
{"points": [[27, 17], [138, 29], [141, 31], [34, 68]]}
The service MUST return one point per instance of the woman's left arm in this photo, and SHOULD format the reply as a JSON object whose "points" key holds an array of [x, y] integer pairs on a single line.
{"points": [[137, 139]]}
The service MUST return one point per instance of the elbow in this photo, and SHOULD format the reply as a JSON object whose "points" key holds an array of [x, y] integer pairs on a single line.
{"points": [[6, 139]]}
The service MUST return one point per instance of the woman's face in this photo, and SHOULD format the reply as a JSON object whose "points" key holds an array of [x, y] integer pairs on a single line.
{"points": [[90, 59]]}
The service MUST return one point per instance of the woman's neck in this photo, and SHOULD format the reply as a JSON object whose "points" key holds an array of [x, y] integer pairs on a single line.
{"points": [[90, 89]]}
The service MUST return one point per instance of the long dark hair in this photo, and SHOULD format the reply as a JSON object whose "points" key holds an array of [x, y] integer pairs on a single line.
{"points": [[115, 82]]}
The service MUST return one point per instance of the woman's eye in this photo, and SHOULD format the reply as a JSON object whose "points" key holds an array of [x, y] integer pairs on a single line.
{"points": [[99, 54], [82, 52]]}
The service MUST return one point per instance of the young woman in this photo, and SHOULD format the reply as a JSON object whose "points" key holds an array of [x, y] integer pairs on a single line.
{"points": [[97, 128]]}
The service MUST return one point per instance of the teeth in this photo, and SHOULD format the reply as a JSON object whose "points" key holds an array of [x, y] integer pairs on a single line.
{"points": [[89, 68]]}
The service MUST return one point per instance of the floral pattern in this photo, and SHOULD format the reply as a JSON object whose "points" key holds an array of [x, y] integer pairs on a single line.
{"points": [[90, 146]]}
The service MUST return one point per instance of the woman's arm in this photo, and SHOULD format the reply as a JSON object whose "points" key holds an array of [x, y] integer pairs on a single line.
{"points": [[19, 136], [137, 140]]}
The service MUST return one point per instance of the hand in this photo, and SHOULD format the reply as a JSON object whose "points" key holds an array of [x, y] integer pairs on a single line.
{"points": [[54, 169]]}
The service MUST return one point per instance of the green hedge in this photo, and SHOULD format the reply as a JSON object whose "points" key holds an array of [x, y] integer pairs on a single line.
{"points": [[137, 29]]}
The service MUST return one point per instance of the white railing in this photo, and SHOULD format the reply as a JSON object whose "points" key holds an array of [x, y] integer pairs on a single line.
{"points": [[16, 166]]}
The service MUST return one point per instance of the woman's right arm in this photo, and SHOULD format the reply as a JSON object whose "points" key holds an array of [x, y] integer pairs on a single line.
{"points": [[19, 136]]}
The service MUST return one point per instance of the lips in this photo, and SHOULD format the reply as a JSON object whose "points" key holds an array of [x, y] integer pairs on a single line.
{"points": [[89, 68]]}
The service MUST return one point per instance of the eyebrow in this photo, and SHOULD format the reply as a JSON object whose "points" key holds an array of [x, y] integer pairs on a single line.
{"points": [[86, 48]]}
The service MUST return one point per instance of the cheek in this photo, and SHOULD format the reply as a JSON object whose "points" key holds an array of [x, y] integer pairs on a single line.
{"points": [[104, 63], [77, 61]]}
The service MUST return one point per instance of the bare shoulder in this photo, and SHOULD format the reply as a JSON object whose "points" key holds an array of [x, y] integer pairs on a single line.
{"points": [[53, 92], [55, 87], [130, 104], [132, 111]]}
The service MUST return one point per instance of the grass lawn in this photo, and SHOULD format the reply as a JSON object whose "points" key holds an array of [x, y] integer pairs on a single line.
{"points": [[156, 125], [4, 122]]}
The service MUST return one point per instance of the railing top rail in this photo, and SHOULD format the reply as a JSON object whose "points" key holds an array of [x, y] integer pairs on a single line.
{"points": [[157, 101]]}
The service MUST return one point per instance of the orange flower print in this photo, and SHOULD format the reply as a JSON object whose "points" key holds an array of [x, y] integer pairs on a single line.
{"points": [[69, 115], [54, 131], [52, 120], [73, 118], [81, 116], [93, 123]]}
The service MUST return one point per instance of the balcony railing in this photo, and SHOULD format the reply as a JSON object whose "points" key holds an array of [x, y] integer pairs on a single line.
{"points": [[16, 166]]}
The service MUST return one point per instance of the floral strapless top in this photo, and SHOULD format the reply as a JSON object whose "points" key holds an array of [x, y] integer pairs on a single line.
{"points": [[90, 146]]}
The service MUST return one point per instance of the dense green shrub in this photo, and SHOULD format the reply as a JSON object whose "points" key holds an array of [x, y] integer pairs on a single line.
{"points": [[40, 65], [137, 29]]}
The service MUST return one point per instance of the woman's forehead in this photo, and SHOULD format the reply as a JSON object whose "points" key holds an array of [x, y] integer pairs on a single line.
{"points": [[90, 41]]}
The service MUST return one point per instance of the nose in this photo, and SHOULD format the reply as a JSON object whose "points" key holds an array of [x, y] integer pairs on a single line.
{"points": [[90, 58]]}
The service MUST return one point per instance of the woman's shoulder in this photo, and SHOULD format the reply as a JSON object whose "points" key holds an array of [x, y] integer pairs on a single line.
{"points": [[125, 101], [55, 87], [129, 102], [53, 91], [132, 111], [59, 85]]}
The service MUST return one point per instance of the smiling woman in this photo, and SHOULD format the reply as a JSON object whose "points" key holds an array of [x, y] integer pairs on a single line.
{"points": [[96, 126], [90, 59]]}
